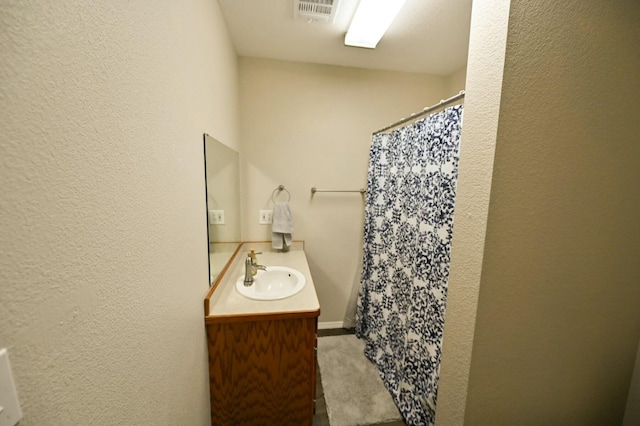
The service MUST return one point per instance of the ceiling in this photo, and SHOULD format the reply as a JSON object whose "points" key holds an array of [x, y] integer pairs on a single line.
{"points": [[428, 36]]}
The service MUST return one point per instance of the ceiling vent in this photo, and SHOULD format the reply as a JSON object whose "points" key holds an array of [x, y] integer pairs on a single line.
{"points": [[316, 11]]}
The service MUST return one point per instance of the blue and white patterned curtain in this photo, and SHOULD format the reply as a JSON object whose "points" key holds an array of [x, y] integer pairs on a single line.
{"points": [[408, 227]]}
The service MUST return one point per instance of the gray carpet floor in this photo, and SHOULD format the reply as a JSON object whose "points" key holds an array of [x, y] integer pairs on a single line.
{"points": [[352, 389]]}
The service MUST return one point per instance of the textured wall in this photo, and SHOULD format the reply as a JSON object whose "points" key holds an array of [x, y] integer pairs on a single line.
{"points": [[632, 412], [482, 102], [558, 319], [307, 125], [103, 251]]}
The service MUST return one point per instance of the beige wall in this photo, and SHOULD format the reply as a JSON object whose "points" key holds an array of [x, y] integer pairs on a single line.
{"points": [[456, 81], [632, 411], [558, 320], [307, 125], [103, 253], [484, 72]]}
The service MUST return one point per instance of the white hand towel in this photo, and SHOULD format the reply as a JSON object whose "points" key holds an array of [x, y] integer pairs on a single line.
{"points": [[281, 225]]}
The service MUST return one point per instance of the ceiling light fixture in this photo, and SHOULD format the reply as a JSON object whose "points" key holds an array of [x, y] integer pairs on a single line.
{"points": [[371, 21]]}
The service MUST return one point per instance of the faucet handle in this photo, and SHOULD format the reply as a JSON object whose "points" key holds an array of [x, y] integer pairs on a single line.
{"points": [[252, 255]]}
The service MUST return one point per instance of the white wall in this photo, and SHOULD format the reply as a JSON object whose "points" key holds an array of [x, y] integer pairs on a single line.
{"points": [[307, 125], [103, 253]]}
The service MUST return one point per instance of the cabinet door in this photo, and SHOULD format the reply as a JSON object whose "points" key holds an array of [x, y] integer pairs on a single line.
{"points": [[262, 372]]}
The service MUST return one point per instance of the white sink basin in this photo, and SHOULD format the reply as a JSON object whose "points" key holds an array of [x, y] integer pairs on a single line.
{"points": [[277, 282]]}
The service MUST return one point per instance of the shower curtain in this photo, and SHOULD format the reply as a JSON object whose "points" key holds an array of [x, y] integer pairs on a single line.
{"points": [[408, 225]]}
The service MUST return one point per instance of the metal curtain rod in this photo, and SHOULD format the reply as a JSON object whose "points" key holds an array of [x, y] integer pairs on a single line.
{"points": [[415, 115], [314, 190]]}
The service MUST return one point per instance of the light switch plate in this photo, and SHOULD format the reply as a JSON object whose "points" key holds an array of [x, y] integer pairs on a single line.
{"points": [[266, 217], [216, 217], [10, 412]]}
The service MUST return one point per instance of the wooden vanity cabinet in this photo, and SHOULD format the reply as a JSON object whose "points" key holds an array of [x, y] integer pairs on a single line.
{"points": [[262, 368]]}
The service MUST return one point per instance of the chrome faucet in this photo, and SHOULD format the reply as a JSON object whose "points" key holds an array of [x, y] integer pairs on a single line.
{"points": [[250, 268]]}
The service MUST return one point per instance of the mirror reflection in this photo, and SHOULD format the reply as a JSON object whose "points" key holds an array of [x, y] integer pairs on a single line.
{"points": [[222, 174]]}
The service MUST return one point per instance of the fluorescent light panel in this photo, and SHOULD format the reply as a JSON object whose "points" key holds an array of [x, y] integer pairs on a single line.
{"points": [[371, 21]]}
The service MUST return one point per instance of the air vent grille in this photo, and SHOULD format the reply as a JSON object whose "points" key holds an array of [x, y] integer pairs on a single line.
{"points": [[322, 11]]}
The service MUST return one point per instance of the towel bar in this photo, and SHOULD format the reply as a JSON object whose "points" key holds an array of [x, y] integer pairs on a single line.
{"points": [[314, 190]]}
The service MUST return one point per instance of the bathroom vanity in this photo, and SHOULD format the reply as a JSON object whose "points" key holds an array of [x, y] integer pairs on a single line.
{"points": [[262, 353]]}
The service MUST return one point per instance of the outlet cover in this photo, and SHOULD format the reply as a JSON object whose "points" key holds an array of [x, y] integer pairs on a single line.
{"points": [[266, 217], [10, 412], [216, 217]]}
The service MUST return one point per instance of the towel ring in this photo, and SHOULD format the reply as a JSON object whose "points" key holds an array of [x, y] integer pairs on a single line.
{"points": [[277, 192]]}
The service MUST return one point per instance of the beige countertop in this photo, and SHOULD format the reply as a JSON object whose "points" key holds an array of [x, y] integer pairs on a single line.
{"points": [[226, 301]]}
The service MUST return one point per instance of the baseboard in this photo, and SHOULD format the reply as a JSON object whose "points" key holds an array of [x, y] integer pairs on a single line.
{"points": [[330, 325]]}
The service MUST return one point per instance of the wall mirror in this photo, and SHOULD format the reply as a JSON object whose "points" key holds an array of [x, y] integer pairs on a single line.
{"points": [[222, 184]]}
